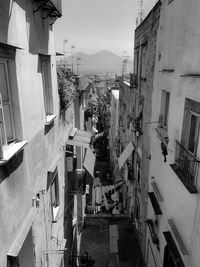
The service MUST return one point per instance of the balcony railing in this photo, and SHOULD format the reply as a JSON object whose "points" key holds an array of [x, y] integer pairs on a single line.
{"points": [[52, 7], [186, 166]]}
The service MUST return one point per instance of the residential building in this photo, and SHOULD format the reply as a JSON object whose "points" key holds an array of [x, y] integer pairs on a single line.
{"points": [[173, 137], [133, 147], [80, 162], [33, 137], [143, 79], [114, 123]]}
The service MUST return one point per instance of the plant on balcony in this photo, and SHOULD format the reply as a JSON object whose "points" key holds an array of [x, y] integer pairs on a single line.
{"points": [[66, 87]]}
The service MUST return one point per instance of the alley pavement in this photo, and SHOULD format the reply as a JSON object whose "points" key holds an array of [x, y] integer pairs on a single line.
{"points": [[111, 241]]}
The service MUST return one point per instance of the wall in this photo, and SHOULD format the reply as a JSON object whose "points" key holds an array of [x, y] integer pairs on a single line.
{"points": [[46, 148], [144, 58], [113, 135], [177, 50]]}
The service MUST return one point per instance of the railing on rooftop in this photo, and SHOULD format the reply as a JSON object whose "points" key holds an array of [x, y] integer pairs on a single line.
{"points": [[186, 166]]}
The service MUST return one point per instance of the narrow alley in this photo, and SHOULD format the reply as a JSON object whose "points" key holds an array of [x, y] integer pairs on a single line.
{"points": [[111, 241]]}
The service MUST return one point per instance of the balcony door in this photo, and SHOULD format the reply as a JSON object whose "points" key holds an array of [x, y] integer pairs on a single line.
{"points": [[193, 138]]}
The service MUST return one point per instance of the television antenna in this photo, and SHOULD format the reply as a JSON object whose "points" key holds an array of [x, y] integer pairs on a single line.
{"points": [[139, 19]]}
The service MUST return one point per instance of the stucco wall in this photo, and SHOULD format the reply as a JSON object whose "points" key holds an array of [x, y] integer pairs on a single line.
{"points": [[26, 175], [177, 49], [145, 50]]}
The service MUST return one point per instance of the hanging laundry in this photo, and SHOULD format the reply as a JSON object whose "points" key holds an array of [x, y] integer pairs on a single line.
{"points": [[98, 195]]}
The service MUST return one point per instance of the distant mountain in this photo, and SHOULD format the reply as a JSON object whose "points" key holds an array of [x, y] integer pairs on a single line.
{"points": [[101, 62]]}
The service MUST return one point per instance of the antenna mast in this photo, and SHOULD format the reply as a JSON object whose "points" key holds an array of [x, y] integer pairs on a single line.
{"points": [[140, 13]]}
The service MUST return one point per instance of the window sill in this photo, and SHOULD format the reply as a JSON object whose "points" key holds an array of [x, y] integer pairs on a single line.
{"points": [[50, 119], [11, 150], [55, 212]]}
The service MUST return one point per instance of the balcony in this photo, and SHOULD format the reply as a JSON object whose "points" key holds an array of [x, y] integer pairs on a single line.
{"points": [[53, 8], [186, 166]]}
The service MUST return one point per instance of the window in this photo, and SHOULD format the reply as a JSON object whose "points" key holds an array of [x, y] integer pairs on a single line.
{"points": [[193, 132], [47, 87], [164, 109], [143, 62], [55, 202], [191, 126], [136, 62], [138, 170], [9, 106], [6, 119]]}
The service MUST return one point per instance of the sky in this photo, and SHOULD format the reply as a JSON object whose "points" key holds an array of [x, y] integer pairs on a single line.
{"points": [[94, 25]]}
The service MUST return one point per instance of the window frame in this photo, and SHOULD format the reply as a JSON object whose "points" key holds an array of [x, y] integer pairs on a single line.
{"points": [[6, 141], [197, 136], [45, 69], [55, 203], [164, 108]]}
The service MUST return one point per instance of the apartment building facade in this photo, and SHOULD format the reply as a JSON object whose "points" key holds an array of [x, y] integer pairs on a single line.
{"points": [[33, 136], [80, 162], [143, 79], [114, 125], [173, 195]]}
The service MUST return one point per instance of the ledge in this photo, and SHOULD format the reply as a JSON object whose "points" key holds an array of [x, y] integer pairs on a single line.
{"points": [[50, 119], [11, 151], [55, 213], [167, 70], [154, 203]]}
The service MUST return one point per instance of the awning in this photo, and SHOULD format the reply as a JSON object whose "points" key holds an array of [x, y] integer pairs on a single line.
{"points": [[89, 161], [178, 237], [21, 236], [154, 203], [79, 138], [173, 249], [125, 154], [156, 191]]}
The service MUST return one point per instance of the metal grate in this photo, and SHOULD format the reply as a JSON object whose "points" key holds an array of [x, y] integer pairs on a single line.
{"points": [[54, 258]]}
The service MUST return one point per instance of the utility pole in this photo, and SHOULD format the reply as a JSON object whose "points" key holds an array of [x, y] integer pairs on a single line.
{"points": [[139, 19], [72, 55]]}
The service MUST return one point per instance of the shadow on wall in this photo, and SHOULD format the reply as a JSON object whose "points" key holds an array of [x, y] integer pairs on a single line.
{"points": [[37, 27], [4, 19], [11, 166]]}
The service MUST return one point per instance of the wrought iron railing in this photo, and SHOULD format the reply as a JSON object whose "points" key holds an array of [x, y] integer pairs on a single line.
{"points": [[57, 4], [187, 164], [52, 7]]}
